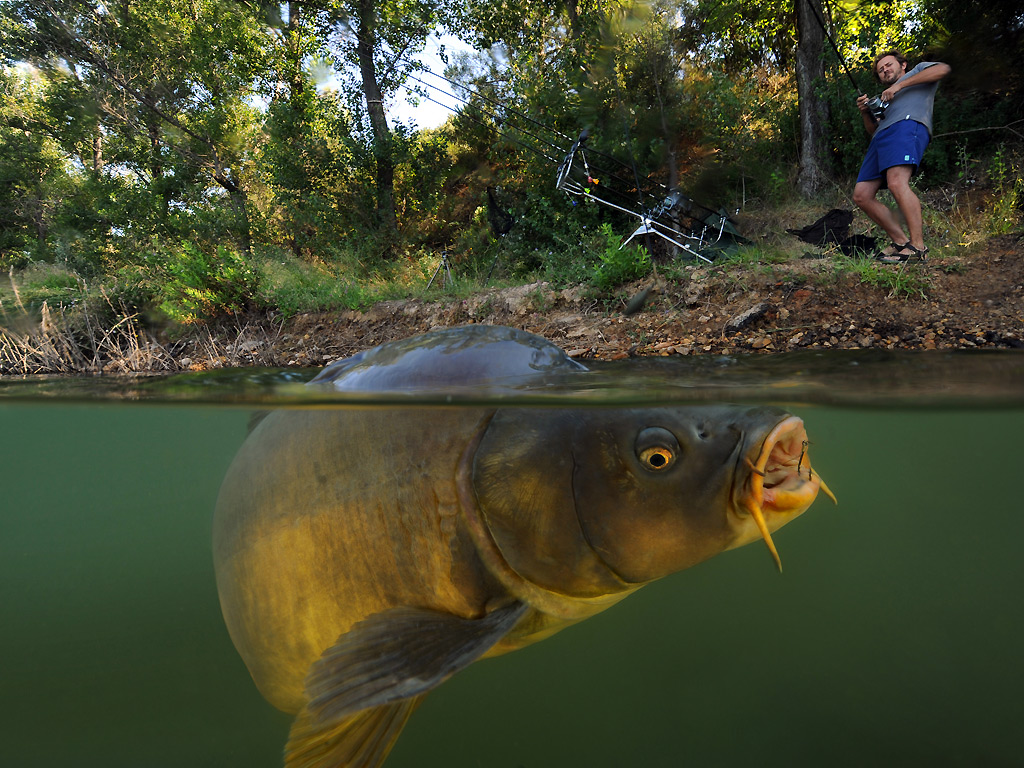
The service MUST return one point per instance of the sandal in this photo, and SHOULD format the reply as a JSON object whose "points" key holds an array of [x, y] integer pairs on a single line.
{"points": [[905, 253], [890, 250]]}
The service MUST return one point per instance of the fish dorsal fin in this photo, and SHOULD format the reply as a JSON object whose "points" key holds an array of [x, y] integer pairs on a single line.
{"points": [[254, 420], [362, 740], [399, 654]]}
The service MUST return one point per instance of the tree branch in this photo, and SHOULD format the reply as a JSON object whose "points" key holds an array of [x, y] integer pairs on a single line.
{"points": [[1006, 127]]}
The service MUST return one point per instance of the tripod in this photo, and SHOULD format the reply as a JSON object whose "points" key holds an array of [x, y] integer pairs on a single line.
{"points": [[447, 278]]}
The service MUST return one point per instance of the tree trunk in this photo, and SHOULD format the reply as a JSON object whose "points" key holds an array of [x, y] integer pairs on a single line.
{"points": [[97, 150], [293, 46], [814, 112], [573, 12], [239, 204], [365, 39], [672, 158]]}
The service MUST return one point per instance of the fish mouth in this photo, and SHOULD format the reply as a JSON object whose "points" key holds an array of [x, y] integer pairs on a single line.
{"points": [[780, 485]]}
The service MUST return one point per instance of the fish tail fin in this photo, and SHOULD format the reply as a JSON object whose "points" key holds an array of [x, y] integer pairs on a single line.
{"points": [[361, 740]]}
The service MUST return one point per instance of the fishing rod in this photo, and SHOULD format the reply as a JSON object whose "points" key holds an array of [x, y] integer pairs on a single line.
{"points": [[648, 222], [821, 22], [566, 162], [875, 104]]}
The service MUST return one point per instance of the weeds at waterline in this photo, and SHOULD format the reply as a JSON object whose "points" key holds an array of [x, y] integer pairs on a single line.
{"points": [[75, 340]]}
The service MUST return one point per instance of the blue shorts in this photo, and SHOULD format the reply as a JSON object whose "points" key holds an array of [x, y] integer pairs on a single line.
{"points": [[902, 143]]}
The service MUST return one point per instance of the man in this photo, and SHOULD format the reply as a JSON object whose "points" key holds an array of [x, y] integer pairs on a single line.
{"points": [[898, 140]]}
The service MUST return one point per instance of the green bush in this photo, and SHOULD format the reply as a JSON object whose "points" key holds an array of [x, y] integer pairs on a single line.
{"points": [[291, 286], [202, 285], [619, 265], [1005, 210]]}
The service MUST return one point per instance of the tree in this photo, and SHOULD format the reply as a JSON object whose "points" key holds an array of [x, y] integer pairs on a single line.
{"points": [[33, 177], [814, 113], [366, 53], [374, 39], [169, 81]]}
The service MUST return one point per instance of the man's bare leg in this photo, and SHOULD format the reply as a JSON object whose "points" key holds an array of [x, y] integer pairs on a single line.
{"points": [[864, 197], [898, 178]]}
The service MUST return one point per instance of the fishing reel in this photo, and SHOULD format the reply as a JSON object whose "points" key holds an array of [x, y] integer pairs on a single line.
{"points": [[877, 107]]}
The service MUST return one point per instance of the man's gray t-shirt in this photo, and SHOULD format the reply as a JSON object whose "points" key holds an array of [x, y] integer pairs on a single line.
{"points": [[913, 103]]}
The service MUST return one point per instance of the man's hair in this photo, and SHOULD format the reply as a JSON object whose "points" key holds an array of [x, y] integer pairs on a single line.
{"points": [[895, 54]]}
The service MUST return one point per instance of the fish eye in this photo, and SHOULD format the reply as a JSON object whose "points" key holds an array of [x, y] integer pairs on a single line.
{"points": [[657, 449], [657, 458]]}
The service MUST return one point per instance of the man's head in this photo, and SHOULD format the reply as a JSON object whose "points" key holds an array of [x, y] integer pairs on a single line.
{"points": [[890, 66]]}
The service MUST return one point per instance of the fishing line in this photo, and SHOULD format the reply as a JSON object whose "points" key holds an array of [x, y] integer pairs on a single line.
{"points": [[647, 216], [602, 171], [491, 101], [598, 172], [465, 113], [821, 21], [468, 103]]}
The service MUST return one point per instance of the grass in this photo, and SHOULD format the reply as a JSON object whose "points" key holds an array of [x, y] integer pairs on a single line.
{"points": [[293, 287], [62, 341], [906, 280]]}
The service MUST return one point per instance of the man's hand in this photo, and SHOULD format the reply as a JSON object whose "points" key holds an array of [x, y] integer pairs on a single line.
{"points": [[869, 120]]}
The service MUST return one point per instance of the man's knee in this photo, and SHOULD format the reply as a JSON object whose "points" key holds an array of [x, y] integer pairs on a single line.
{"points": [[897, 178], [863, 194]]}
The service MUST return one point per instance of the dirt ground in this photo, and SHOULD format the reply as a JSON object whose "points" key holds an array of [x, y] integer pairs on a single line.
{"points": [[968, 301]]}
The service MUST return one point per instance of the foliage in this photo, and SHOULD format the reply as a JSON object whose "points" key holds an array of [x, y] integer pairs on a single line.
{"points": [[33, 172], [1005, 215], [903, 281], [202, 285], [619, 265], [247, 132], [291, 286]]}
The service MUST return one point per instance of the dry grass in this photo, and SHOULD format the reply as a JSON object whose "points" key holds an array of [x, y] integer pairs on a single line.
{"points": [[77, 340], [63, 341]]}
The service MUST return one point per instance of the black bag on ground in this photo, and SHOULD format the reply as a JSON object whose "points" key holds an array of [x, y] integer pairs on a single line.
{"points": [[832, 228]]}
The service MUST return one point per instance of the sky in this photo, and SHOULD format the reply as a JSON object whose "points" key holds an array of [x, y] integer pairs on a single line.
{"points": [[427, 114]]}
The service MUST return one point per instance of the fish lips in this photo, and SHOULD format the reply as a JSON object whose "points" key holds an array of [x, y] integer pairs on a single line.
{"points": [[779, 484]]}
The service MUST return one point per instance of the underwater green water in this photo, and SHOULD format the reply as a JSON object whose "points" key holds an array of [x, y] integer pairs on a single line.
{"points": [[892, 639]]}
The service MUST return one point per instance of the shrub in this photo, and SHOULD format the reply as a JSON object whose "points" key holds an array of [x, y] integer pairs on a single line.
{"points": [[202, 285], [619, 265], [291, 286]]}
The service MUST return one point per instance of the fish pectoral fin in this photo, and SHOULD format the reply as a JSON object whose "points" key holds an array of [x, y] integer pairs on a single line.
{"points": [[362, 740], [399, 654]]}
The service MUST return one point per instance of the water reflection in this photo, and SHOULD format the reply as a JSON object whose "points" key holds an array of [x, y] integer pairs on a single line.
{"points": [[975, 378]]}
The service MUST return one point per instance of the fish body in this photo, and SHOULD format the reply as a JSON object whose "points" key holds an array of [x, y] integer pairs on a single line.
{"points": [[363, 555]]}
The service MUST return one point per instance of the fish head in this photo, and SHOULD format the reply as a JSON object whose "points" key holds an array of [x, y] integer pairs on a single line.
{"points": [[589, 501]]}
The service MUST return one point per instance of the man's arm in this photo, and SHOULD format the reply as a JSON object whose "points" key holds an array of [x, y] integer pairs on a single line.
{"points": [[931, 74]]}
